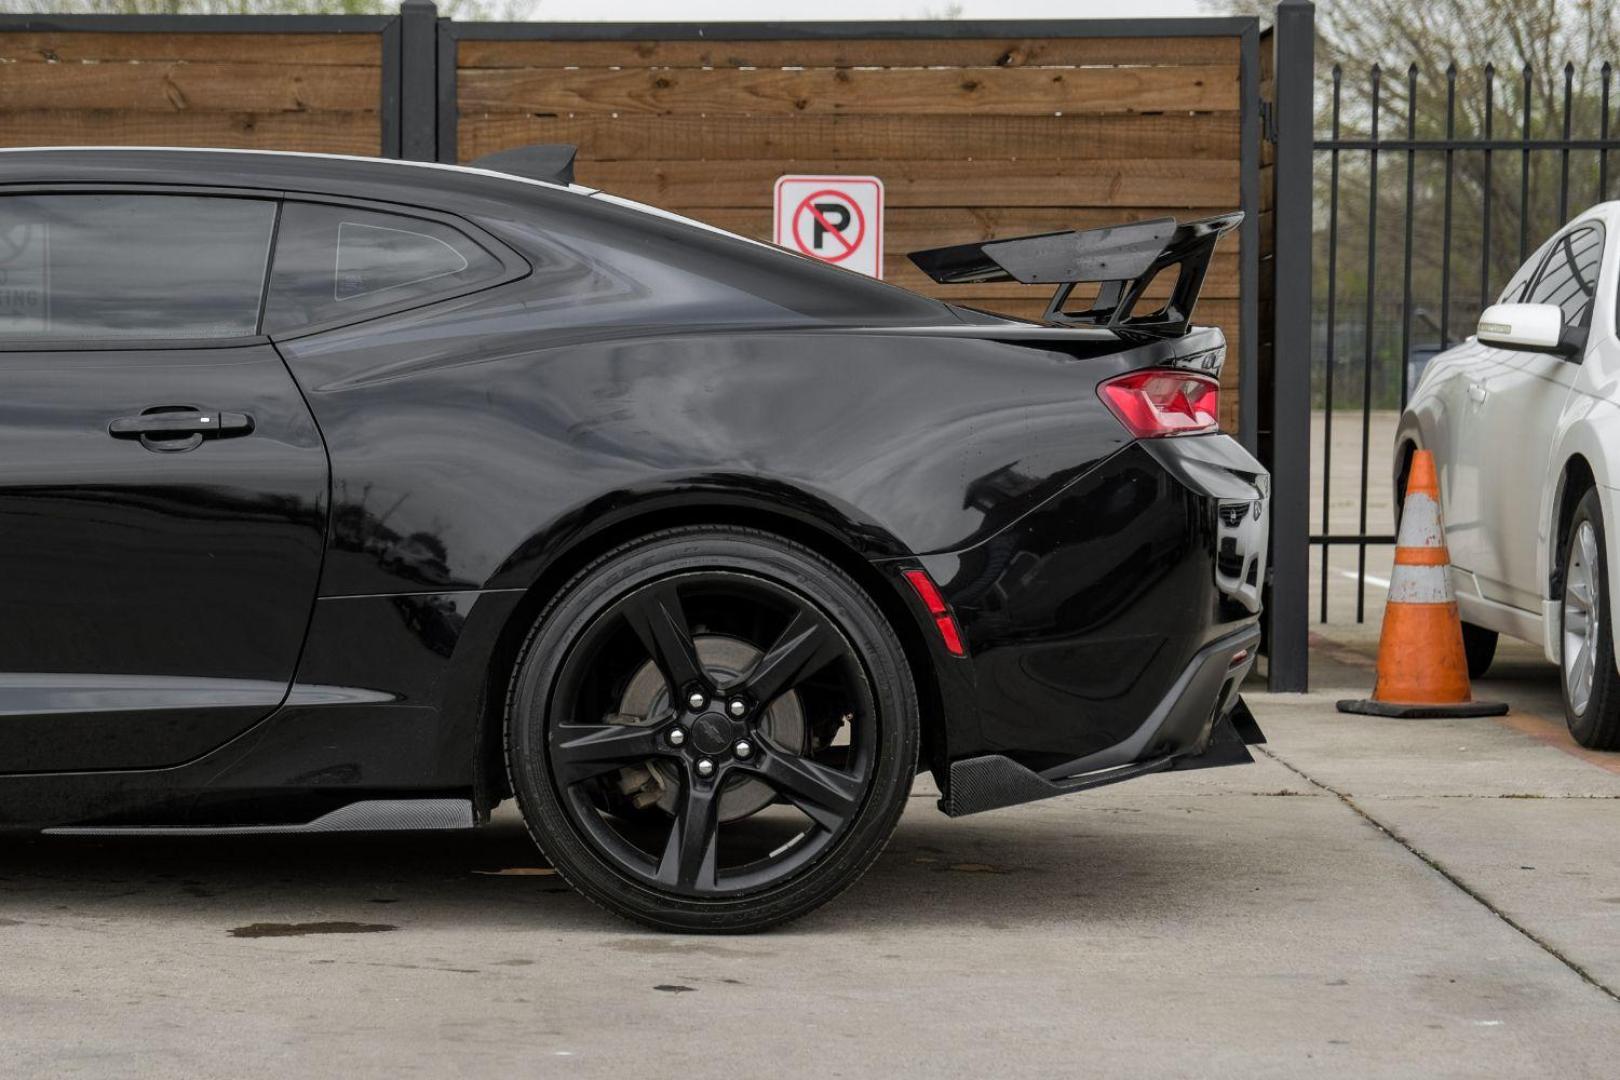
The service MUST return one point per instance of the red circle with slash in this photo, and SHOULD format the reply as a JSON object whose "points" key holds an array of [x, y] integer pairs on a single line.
{"points": [[808, 208]]}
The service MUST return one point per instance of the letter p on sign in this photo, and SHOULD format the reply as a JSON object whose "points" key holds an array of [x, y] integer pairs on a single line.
{"points": [[837, 219]]}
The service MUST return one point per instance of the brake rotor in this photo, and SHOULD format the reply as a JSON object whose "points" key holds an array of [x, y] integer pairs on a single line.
{"points": [[727, 660]]}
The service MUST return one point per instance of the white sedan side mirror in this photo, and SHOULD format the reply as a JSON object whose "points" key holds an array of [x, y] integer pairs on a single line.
{"points": [[1523, 326]]}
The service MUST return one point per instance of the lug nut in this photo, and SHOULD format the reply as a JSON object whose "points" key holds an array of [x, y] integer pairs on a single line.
{"points": [[744, 749], [677, 736], [697, 700], [738, 706], [705, 767]]}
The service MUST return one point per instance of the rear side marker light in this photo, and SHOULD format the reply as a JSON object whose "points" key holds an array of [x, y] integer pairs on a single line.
{"points": [[944, 621], [1163, 401]]}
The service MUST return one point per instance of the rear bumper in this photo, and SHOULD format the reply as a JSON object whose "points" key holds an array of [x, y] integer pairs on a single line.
{"points": [[1200, 722], [1108, 629]]}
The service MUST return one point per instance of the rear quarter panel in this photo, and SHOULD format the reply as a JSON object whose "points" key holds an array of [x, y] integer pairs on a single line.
{"points": [[469, 446], [477, 442]]}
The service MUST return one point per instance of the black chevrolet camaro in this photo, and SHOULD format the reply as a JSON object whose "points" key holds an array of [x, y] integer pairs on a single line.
{"points": [[346, 494]]}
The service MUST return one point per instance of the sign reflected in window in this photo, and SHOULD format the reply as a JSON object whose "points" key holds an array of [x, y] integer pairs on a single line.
{"points": [[25, 270]]}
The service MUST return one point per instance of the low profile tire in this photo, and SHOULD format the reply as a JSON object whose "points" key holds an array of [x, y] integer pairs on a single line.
{"points": [[1591, 686], [1479, 646], [711, 729]]}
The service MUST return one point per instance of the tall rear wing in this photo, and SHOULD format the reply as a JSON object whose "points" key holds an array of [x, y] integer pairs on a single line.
{"points": [[1124, 258]]}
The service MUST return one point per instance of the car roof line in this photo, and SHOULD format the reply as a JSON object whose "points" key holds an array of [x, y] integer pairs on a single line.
{"points": [[472, 170], [574, 189]]}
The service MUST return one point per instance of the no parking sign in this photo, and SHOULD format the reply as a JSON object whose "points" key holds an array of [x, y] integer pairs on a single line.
{"points": [[837, 219]]}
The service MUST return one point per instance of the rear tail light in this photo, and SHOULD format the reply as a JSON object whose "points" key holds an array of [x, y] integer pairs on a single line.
{"points": [[1163, 401], [944, 621]]}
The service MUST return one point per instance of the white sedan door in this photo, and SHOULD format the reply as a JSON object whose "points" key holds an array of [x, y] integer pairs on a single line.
{"points": [[1521, 402], [1464, 445], [1452, 417]]}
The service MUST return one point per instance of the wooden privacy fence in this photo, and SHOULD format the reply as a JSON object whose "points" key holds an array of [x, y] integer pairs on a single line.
{"points": [[977, 131], [268, 84]]}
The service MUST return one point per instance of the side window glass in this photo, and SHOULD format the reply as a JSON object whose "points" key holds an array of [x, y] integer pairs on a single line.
{"points": [[333, 262], [1520, 282], [1570, 275], [118, 267]]}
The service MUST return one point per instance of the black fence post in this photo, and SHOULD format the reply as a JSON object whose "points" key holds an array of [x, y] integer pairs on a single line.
{"points": [[418, 81], [1295, 43], [1249, 136], [388, 106], [446, 93]]}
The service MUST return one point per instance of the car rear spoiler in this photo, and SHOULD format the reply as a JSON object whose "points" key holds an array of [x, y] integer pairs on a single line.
{"points": [[1124, 258]]}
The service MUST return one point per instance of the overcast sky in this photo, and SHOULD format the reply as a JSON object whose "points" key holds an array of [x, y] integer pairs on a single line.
{"points": [[782, 11]]}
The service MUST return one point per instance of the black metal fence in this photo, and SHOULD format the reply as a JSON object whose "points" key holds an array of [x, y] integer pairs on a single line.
{"points": [[1430, 191]]}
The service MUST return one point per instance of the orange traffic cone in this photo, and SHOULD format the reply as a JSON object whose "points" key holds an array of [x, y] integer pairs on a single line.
{"points": [[1422, 669]]}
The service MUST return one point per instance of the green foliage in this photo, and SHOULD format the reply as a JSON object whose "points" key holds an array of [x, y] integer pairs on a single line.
{"points": [[1502, 205], [1470, 33]]}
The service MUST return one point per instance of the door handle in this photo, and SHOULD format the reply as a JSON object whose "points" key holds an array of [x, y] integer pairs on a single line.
{"points": [[171, 428], [1477, 393]]}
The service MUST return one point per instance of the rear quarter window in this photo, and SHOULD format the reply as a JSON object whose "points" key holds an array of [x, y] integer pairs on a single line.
{"points": [[334, 263]]}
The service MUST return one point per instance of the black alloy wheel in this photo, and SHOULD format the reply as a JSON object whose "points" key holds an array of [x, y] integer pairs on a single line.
{"points": [[712, 729]]}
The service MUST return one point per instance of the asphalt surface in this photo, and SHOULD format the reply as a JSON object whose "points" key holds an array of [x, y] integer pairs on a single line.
{"points": [[1373, 898]]}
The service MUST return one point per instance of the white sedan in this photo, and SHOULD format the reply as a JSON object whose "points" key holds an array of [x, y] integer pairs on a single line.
{"points": [[1524, 422]]}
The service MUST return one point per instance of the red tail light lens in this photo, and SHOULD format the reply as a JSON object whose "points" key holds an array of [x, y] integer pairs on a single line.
{"points": [[944, 621], [1161, 401]]}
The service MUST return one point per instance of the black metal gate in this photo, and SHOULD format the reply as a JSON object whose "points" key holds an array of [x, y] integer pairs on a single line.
{"points": [[1481, 166]]}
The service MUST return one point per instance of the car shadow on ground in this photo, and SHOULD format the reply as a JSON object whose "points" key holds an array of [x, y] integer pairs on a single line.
{"points": [[998, 870]]}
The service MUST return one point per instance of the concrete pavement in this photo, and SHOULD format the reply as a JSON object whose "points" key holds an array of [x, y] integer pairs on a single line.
{"points": [[1372, 899]]}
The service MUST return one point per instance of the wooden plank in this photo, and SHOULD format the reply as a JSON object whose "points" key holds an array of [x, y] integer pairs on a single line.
{"points": [[178, 87], [299, 50], [690, 185], [315, 132], [1002, 91], [938, 226], [896, 52], [906, 231], [911, 228], [840, 138]]}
